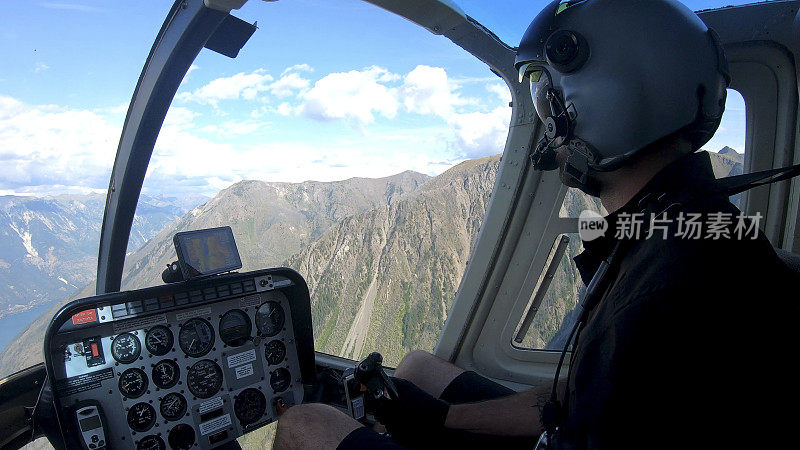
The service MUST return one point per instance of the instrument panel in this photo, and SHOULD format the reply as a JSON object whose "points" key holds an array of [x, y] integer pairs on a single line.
{"points": [[190, 364]]}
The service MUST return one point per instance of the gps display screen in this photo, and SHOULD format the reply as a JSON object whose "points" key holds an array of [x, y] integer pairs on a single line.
{"points": [[90, 423], [207, 252]]}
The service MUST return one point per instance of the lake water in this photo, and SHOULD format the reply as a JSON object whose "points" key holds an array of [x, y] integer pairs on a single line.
{"points": [[12, 324]]}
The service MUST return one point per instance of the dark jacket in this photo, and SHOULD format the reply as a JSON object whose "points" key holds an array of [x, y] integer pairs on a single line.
{"points": [[692, 344]]}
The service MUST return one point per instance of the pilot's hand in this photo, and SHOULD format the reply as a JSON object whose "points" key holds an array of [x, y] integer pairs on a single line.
{"points": [[413, 415]]}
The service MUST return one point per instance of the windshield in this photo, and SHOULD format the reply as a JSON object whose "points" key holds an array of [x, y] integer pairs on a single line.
{"points": [[331, 116]]}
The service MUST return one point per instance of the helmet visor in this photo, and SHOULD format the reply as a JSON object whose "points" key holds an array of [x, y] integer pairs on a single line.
{"points": [[540, 84]]}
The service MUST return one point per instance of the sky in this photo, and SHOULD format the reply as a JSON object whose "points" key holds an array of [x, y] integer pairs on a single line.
{"points": [[324, 90]]}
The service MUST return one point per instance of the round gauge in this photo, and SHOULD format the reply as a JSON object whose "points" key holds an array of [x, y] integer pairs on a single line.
{"points": [[181, 437], [125, 348], [270, 318], [141, 416], [173, 406], [235, 327], [280, 380], [204, 378], [196, 337], [249, 406], [133, 383], [275, 351], [151, 442], [166, 374], [159, 340]]}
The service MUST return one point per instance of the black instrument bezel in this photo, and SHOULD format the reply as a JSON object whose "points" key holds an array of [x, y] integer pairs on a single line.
{"points": [[299, 305]]}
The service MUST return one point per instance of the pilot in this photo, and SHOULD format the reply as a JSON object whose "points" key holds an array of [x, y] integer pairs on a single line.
{"points": [[685, 340]]}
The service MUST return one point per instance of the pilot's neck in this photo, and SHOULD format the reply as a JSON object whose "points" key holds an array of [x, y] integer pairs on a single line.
{"points": [[621, 185]]}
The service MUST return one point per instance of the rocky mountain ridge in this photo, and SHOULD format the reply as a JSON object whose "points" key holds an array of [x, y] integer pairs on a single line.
{"points": [[271, 221], [48, 245], [395, 269]]}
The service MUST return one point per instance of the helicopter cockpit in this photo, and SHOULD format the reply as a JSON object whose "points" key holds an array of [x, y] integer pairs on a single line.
{"points": [[213, 353]]}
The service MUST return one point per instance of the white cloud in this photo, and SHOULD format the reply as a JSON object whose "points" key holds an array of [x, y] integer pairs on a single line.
{"points": [[51, 149], [249, 86], [501, 90], [48, 149], [429, 90], [297, 68], [40, 67], [245, 86], [45, 147], [119, 110], [481, 134], [288, 85], [354, 96], [426, 90], [285, 109], [357, 96], [70, 7], [180, 117], [236, 128]]}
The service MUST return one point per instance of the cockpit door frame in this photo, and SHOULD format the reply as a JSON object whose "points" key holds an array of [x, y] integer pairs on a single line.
{"points": [[185, 31], [763, 44], [515, 184]]}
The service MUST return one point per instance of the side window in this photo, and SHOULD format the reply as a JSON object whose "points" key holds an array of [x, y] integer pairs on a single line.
{"points": [[548, 316], [727, 146]]}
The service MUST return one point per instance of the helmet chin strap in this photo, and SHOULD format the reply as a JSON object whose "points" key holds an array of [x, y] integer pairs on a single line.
{"points": [[576, 172]]}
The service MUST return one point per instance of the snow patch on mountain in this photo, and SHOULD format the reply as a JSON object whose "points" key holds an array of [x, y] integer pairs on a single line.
{"points": [[27, 239]]}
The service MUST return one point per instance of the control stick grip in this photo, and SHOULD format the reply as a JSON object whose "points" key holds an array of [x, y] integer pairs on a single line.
{"points": [[391, 389], [369, 372]]}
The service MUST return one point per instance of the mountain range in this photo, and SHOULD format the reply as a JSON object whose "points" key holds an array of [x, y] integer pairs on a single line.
{"points": [[48, 246], [383, 258], [271, 221]]}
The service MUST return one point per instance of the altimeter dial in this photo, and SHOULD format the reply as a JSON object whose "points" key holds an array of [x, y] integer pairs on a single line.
{"points": [[166, 374], [196, 337], [151, 442], [204, 379], [270, 319], [133, 383], [173, 406], [181, 437], [249, 406], [275, 352], [159, 340], [141, 416]]}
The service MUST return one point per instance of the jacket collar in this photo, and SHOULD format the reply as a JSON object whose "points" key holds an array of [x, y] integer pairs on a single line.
{"points": [[692, 169]]}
